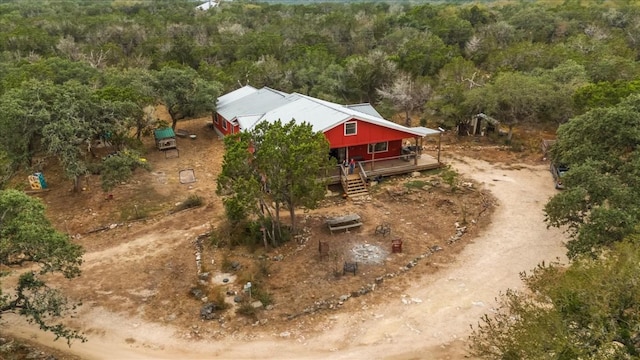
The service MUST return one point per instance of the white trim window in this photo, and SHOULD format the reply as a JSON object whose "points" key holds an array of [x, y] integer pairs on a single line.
{"points": [[350, 128], [378, 147], [216, 119], [224, 124]]}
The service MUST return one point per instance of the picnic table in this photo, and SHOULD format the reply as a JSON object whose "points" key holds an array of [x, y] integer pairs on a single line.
{"points": [[345, 222]]}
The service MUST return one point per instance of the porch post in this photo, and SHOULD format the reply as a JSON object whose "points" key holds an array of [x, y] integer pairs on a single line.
{"points": [[373, 157], [415, 156], [439, 141]]}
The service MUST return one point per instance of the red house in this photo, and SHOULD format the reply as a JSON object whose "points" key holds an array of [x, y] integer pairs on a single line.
{"points": [[354, 131]]}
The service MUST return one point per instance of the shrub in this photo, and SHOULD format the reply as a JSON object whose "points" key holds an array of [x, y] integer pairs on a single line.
{"points": [[191, 202]]}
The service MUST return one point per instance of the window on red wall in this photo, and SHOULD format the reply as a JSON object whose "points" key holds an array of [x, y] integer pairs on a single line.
{"points": [[215, 119], [378, 147], [224, 124], [350, 128]]}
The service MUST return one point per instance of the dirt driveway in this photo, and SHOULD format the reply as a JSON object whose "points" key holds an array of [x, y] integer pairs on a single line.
{"points": [[430, 319]]}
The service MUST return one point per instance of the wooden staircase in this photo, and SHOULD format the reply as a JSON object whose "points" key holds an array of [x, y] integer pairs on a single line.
{"points": [[355, 186]]}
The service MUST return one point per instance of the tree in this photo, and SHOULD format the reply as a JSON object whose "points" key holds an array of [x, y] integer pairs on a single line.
{"points": [[119, 167], [292, 157], [273, 166], [238, 182], [589, 310], [365, 74], [184, 93], [512, 98], [599, 205], [454, 80], [27, 237], [406, 95]]}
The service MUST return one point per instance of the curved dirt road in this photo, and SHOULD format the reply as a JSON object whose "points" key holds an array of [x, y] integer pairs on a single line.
{"points": [[429, 320]]}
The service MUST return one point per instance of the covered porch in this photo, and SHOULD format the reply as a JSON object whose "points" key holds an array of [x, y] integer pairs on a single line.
{"points": [[369, 169]]}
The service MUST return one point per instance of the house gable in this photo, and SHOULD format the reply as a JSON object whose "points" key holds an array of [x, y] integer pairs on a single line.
{"points": [[366, 133]]}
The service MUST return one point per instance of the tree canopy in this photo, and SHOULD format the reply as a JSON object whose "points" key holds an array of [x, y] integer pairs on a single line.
{"points": [[27, 237], [589, 310], [274, 165]]}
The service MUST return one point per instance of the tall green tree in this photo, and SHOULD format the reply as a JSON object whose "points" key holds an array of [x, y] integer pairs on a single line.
{"points": [[600, 204], [271, 167], [292, 157], [184, 93], [28, 238]]}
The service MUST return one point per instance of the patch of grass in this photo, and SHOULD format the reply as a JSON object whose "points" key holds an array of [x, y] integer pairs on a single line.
{"points": [[450, 177], [415, 184], [191, 202], [225, 266], [134, 212], [245, 309]]}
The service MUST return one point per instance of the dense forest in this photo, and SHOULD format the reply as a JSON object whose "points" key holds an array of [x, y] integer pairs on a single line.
{"points": [[75, 71]]}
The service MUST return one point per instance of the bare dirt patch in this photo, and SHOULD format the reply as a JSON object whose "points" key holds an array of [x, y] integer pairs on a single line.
{"points": [[140, 271]]}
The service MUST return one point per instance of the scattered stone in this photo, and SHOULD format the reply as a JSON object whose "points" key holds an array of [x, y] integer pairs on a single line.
{"points": [[237, 299], [204, 276], [170, 317], [269, 307], [344, 298], [285, 334], [235, 265], [207, 312], [256, 304], [196, 292], [278, 257]]}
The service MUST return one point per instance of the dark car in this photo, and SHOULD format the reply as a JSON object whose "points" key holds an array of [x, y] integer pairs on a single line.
{"points": [[558, 172]]}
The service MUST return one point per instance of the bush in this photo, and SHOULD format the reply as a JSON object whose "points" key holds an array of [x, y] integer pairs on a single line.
{"points": [[191, 202]]}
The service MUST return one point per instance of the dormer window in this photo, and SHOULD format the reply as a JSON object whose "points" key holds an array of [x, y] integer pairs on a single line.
{"points": [[350, 128]]}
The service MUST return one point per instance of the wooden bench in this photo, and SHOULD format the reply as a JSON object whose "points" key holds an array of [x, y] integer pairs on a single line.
{"points": [[344, 222]]}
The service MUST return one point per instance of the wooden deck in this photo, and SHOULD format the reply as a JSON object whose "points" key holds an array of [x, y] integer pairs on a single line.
{"points": [[390, 167]]}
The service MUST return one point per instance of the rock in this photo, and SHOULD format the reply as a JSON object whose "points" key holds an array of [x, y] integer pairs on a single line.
{"points": [[204, 276], [113, 226], [235, 265], [415, 174], [269, 307], [207, 312], [237, 299], [278, 257], [256, 304], [285, 334], [344, 298], [170, 317], [197, 293]]}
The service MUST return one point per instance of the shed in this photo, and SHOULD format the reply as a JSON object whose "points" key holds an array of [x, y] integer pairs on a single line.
{"points": [[165, 138]]}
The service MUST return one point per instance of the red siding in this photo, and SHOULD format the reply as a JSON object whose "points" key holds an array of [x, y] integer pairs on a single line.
{"points": [[367, 133], [218, 126], [361, 151]]}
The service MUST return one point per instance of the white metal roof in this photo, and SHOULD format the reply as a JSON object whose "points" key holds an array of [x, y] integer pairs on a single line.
{"points": [[235, 95], [208, 5], [252, 103], [365, 108], [249, 106]]}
